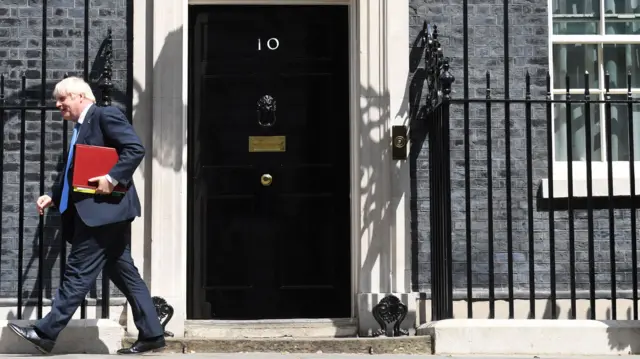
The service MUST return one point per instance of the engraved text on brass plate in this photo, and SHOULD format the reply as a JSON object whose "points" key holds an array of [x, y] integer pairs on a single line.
{"points": [[267, 143]]}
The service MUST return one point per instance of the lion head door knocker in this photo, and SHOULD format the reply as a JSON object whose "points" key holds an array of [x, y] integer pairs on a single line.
{"points": [[266, 111]]}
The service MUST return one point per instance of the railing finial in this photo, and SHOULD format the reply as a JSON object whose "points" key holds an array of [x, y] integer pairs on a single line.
{"points": [[106, 85]]}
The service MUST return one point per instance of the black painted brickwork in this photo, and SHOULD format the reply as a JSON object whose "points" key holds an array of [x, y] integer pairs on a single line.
{"points": [[528, 51], [21, 50]]}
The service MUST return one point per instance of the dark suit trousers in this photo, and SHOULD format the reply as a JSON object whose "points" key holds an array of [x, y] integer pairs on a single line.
{"points": [[92, 249]]}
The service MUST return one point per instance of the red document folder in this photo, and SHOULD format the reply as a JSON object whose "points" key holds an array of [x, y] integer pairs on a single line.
{"points": [[93, 161]]}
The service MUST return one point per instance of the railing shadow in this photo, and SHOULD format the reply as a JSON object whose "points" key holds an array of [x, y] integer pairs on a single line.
{"points": [[418, 135], [52, 244]]}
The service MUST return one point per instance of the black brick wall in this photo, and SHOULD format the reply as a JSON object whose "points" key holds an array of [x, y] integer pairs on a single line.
{"points": [[21, 50], [528, 51]]}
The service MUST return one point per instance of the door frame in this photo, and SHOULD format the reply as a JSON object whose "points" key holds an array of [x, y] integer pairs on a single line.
{"points": [[383, 258], [354, 172]]}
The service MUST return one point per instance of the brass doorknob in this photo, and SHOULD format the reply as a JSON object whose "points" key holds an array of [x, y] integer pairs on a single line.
{"points": [[266, 179]]}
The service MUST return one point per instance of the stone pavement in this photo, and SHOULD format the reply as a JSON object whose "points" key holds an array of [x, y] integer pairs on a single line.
{"points": [[309, 356], [230, 356]]}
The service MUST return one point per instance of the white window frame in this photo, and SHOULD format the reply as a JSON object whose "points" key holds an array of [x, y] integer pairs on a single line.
{"points": [[600, 180]]}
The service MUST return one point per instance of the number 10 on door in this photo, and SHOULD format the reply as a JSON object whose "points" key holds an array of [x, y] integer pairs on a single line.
{"points": [[272, 44]]}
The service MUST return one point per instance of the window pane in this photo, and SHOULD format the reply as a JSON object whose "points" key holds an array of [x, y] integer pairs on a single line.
{"points": [[619, 60], [622, 17], [575, 59], [578, 139], [576, 17], [620, 129]]}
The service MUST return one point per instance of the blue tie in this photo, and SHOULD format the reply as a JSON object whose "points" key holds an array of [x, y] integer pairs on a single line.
{"points": [[65, 189]]}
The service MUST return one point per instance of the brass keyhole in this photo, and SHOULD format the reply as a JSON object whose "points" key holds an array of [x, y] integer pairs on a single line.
{"points": [[266, 179]]}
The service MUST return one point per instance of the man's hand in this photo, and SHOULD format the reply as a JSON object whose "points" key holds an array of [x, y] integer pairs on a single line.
{"points": [[43, 202], [104, 186]]}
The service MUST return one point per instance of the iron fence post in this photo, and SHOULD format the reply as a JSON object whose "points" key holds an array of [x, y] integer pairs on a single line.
{"points": [[439, 81], [441, 244]]}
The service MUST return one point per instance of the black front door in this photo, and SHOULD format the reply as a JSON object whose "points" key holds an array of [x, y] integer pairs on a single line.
{"points": [[269, 233]]}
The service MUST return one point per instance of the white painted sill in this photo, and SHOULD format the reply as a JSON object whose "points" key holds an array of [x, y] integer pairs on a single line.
{"points": [[600, 180]]}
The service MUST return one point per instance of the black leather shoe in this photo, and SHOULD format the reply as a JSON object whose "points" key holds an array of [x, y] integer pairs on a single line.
{"points": [[29, 333], [141, 346]]}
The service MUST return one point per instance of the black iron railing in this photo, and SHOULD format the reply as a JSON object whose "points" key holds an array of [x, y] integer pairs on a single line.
{"points": [[438, 102], [529, 220], [24, 106]]}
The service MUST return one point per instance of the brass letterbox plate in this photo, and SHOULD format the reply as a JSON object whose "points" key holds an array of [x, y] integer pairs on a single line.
{"points": [[267, 143]]}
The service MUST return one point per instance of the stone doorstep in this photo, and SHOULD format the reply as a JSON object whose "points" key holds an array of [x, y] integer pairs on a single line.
{"points": [[259, 329], [380, 345], [105, 336]]}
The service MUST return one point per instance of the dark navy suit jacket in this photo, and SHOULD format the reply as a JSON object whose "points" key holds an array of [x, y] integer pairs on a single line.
{"points": [[107, 126]]}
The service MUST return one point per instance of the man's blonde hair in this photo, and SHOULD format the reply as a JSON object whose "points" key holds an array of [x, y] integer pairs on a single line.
{"points": [[73, 86]]}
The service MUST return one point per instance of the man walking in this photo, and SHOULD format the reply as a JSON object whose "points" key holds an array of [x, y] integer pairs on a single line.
{"points": [[97, 226]]}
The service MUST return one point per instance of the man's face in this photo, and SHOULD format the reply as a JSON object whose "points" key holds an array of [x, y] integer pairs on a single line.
{"points": [[70, 106]]}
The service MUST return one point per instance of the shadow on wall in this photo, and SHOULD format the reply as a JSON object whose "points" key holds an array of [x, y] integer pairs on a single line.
{"points": [[52, 243], [380, 209], [418, 134], [170, 152], [549, 310], [620, 336], [375, 129], [374, 110], [163, 140]]}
